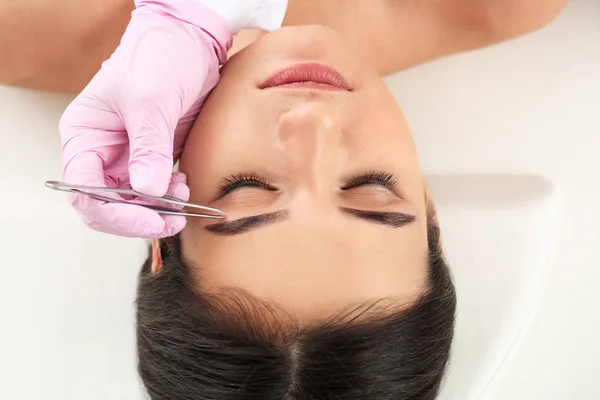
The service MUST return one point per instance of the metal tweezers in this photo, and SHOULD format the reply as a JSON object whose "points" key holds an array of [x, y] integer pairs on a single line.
{"points": [[87, 190]]}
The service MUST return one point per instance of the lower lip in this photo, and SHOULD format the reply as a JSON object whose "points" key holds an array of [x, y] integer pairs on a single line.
{"points": [[307, 76]]}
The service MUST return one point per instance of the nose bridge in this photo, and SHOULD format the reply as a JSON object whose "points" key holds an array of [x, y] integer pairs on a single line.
{"points": [[311, 136]]}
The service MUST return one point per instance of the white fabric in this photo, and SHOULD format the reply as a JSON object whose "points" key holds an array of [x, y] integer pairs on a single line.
{"points": [[240, 14], [270, 15]]}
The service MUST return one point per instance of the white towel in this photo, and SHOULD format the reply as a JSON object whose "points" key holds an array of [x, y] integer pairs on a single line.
{"points": [[270, 15]]}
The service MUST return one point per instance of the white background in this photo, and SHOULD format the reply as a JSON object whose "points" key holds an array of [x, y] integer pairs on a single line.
{"points": [[509, 139]]}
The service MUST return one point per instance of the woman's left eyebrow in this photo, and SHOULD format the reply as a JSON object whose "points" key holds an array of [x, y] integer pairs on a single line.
{"points": [[243, 225]]}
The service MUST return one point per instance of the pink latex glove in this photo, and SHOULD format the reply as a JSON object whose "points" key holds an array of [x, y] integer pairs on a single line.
{"points": [[129, 124]]}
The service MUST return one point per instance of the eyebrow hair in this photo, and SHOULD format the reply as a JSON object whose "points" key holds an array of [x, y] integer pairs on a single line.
{"points": [[243, 225], [392, 219]]}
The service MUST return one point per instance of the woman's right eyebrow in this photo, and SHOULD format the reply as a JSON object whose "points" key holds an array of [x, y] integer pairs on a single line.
{"points": [[243, 225]]}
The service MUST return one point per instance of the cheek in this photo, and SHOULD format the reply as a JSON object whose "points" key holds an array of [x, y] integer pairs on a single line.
{"points": [[234, 128], [220, 130], [384, 140], [381, 119]]}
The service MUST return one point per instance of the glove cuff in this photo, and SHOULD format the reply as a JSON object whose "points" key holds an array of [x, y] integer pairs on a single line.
{"points": [[197, 14]]}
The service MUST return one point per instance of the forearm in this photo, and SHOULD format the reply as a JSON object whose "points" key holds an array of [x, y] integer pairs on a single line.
{"points": [[394, 35], [58, 45], [443, 27]]}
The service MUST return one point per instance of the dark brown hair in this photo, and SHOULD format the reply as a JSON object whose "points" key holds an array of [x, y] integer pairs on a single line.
{"points": [[198, 346]]}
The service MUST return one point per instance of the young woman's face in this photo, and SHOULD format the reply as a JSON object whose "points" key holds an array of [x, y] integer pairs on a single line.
{"points": [[324, 201]]}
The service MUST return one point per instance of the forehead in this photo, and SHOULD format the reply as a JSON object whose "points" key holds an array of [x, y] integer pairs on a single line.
{"points": [[312, 273]]}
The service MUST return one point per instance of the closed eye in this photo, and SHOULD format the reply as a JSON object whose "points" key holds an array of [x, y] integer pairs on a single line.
{"points": [[241, 181], [382, 179]]}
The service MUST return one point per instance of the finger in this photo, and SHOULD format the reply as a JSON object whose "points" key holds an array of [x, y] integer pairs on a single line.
{"points": [[130, 220], [85, 169], [163, 81], [180, 191], [91, 136], [173, 225], [151, 127], [177, 189], [178, 177]]}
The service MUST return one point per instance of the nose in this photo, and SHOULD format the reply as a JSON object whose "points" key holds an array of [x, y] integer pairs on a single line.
{"points": [[311, 136]]}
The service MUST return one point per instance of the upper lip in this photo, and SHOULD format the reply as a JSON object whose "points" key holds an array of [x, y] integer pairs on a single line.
{"points": [[307, 73]]}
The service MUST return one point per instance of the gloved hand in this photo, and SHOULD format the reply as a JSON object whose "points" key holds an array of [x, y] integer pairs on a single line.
{"points": [[129, 124]]}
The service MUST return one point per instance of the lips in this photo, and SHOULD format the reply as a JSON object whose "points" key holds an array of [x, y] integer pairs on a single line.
{"points": [[307, 76]]}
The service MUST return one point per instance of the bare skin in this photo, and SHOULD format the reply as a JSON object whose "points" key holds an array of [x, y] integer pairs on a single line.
{"points": [[58, 45]]}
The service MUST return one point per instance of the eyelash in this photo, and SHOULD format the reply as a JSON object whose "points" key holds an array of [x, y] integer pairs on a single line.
{"points": [[384, 179], [235, 182]]}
